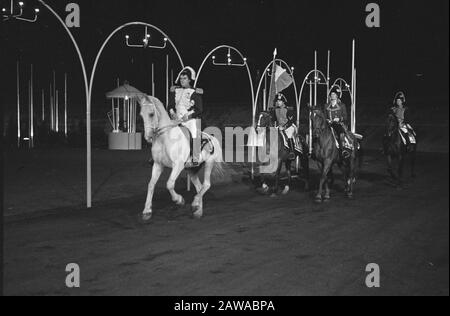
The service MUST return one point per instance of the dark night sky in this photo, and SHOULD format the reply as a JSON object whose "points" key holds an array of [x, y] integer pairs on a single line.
{"points": [[413, 39]]}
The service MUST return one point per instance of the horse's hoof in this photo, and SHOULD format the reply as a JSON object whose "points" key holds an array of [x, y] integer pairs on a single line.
{"points": [[350, 196], [318, 199], [198, 213], [146, 217], [273, 195], [326, 198], [286, 190], [181, 202]]}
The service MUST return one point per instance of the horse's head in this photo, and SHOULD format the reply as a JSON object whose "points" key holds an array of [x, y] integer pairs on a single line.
{"points": [[318, 120], [149, 114], [265, 119]]}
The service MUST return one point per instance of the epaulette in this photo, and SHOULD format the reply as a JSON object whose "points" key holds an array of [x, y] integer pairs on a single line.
{"points": [[199, 90]]}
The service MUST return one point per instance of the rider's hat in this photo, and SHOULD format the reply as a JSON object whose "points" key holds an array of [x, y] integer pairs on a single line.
{"points": [[189, 72], [280, 97], [399, 95], [335, 89]]}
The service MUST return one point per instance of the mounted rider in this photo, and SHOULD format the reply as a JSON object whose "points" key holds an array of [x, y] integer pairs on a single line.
{"points": [[285, 117], [186, 107], [400, 111], [336, 113]]}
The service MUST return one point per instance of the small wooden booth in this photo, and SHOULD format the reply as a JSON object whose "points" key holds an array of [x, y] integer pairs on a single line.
{"points": [[122, 117]]}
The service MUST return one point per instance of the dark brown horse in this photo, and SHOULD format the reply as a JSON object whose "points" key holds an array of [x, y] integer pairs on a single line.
{"points": [[395, 148], [326, 153], [267, 121]]}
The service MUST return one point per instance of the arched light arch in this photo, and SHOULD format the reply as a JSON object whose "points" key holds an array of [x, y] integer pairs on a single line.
{"points": [[243, 65]]}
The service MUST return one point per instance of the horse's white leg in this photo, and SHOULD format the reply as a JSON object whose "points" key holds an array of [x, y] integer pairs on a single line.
{"points": [[156, 173], [198, 200], [198, 187], [176, 170]]}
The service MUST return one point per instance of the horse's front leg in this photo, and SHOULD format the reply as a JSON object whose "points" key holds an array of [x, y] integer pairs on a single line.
{"points": [[156, 173], [176, 170], [288, 171], [401, 161], [277, 177], [326, 166], [390, 168]]}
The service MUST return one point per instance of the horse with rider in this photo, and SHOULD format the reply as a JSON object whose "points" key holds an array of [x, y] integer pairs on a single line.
{"points": [[290, 145], [333, 143], [400, 139]]}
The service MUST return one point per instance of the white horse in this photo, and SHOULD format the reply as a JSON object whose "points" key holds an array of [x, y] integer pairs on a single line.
{"points": [[171, 149]]}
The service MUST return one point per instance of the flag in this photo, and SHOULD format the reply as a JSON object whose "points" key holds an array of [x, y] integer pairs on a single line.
{"points": [[282, 79]]}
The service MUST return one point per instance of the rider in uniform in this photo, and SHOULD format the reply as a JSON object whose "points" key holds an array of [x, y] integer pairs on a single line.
{"points": [[336, 113], [186, 106], [400, 110], [285, 117]]}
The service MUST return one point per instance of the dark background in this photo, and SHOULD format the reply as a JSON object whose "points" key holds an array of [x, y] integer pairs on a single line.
{"points": [[409, 52]]}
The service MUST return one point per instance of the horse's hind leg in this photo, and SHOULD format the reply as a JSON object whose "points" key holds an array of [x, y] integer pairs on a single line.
{"points": [[305, 167], [176, 170], [323, 179], [413, 162], [197, 204]]}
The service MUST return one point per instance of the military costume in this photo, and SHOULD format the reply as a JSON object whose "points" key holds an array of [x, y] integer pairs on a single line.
{"points": [[186, 106], [336, 113], [285, 117], [401, 113]]}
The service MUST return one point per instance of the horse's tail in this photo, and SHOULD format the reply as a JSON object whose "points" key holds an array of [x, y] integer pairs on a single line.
{"points": [[218, 168]]}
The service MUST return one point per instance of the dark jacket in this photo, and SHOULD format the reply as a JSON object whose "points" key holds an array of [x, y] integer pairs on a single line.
{"points": [[289, 119], [340, 111], [402, 118], [196, 97]]}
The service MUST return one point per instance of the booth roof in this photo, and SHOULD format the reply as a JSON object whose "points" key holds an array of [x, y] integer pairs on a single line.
{"points": [[125, 91]]}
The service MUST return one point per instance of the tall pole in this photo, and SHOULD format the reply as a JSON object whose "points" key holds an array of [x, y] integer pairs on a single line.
{"points": [[18, 106], [55, 105], [65, 104], [43, 107], [353, 88], [310, 123], [153, 79], [167, 81], [328, 71], [57, 111], [31, 110], [52, 118], [315, 78]]}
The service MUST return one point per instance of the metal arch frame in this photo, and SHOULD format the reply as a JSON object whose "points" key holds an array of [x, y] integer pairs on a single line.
{"points": [[338, 83], [231, 65], [255, 104], [317, 74], [89, 193], [88, 105]]}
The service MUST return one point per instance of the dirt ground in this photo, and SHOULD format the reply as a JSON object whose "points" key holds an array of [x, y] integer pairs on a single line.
{"points": [[246, 244]]}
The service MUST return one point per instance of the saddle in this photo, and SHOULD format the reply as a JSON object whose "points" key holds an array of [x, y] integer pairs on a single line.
{"points": [[348, 141], [205, 140]]}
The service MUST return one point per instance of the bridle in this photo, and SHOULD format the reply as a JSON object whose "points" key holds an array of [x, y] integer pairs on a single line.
{"points": [[158, 131]]}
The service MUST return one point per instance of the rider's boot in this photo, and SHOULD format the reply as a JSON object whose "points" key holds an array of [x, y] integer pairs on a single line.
{"points": [[345, 152], [291, 155]]}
